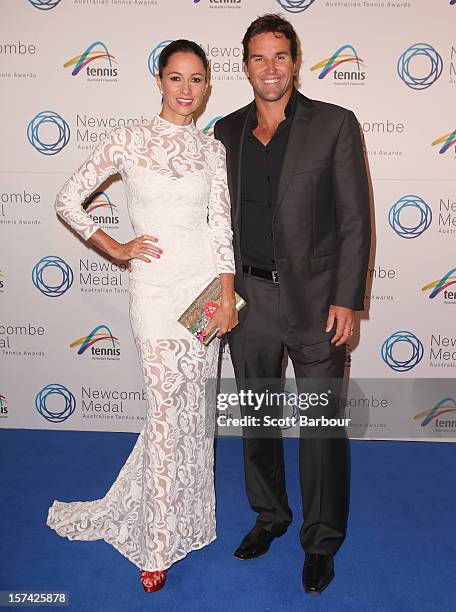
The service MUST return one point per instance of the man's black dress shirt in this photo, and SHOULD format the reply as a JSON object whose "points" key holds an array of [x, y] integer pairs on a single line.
{"points": [[261, 167]]}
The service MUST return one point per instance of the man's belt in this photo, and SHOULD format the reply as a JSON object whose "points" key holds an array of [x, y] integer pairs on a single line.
{"points": [[271, 275]]}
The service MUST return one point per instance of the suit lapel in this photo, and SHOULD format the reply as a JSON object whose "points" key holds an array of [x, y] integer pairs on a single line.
{"points": [[235, 154], [303, 114]]}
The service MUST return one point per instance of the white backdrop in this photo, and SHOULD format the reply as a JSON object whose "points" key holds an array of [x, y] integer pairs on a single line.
{"points": [[72, 69]]}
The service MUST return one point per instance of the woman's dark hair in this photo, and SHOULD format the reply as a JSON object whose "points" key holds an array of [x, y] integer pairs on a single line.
{"points": [[181, 45], [271, 23]]}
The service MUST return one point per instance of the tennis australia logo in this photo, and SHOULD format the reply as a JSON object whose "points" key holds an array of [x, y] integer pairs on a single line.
{"points": [[410, 216], [447, 141], [402, 351], [344, 66], [96, 53], [102, 210], [48, 133], [52, 276], [3, 407], [44, 5], [100, 343], [295, 6], [420, 66], [440, 287], [222, 4], [434, 415], [55, 403], [209, 129]]}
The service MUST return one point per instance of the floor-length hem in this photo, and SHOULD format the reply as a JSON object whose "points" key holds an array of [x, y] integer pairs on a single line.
{"points": [[112, 543]]}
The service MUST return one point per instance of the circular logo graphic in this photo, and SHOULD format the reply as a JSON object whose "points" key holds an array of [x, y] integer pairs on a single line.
{"points": [[44, 5], [64, 270], [59, 141], [295, 6], [423, 211], [67, 404], [420, 54], [152, 62], [391, 343]]}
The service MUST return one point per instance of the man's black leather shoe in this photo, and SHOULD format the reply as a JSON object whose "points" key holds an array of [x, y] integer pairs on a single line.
{"points": [[255, 544], [317, 573]]}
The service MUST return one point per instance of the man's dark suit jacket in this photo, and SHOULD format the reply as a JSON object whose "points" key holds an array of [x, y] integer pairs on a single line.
{"points": [[321, 220]]}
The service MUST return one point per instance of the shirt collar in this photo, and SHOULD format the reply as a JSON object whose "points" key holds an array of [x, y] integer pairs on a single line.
{"points": [[289, 109]]}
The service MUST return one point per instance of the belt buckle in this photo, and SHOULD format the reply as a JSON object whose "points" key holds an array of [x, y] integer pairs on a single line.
{"points": [[275, 276]]}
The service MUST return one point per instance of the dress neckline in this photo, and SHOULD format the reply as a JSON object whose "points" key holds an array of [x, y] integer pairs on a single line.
{"points": [[173, 126]]}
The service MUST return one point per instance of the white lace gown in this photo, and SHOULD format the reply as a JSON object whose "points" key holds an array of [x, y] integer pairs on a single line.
{"points": [[162, 504]]}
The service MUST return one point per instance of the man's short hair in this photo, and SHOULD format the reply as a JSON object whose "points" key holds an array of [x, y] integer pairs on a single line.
{"points": [[271, 23]]}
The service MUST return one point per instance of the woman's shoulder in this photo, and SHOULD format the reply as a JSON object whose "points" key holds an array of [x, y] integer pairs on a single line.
{"points": [[215, 146]]}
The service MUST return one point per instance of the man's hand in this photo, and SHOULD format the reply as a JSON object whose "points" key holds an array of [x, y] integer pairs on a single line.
{"points": [[345, 318]]}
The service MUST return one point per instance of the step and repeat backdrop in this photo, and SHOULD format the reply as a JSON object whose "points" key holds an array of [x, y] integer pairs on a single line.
{"points": [[71, 70]]}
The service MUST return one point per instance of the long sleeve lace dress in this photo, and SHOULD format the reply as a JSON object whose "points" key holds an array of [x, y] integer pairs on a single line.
{"points": [[162, 504]]}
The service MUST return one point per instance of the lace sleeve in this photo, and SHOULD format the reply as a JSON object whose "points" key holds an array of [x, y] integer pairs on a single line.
{"points": [[106, 159], [220, 215]]}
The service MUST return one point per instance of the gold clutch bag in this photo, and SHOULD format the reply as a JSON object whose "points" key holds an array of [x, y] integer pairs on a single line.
{"points": [[202, 310]]}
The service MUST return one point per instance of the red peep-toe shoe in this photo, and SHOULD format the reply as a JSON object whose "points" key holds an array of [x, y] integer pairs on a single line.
{"points": [[155, 580]]}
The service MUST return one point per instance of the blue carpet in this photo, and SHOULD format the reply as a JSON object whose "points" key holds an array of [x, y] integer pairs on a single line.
{"points": [[400, 553]]}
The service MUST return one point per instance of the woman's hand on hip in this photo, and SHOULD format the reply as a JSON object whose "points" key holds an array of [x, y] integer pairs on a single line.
{"points": [[141, 247]]}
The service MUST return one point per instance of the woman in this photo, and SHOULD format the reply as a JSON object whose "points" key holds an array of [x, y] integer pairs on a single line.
{"points": [[162, 504]]}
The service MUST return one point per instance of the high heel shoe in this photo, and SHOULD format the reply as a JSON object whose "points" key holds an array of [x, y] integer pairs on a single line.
{"points": [[156, 580]]}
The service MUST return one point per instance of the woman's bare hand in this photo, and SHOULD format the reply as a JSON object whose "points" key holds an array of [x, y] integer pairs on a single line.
{"points": [[138, 248], [225, 318]]}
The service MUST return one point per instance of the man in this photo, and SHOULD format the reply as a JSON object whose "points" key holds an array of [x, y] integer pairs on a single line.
{"points": [[301, 223]]}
